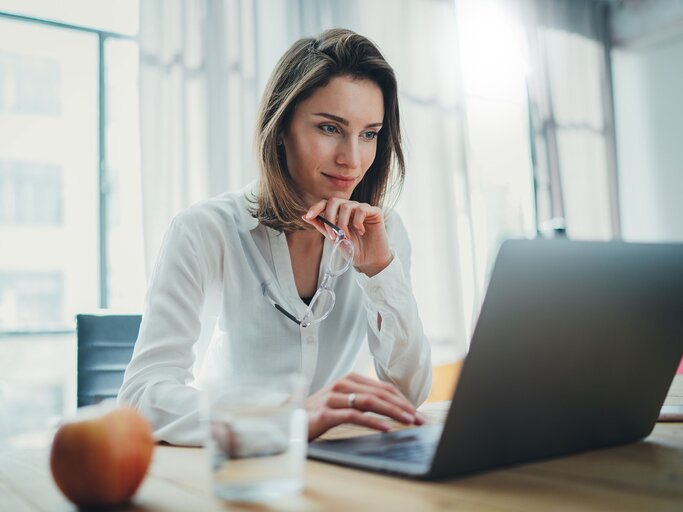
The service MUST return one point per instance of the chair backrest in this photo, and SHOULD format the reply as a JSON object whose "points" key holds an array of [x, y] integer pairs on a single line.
{"points": [[104, 348]]}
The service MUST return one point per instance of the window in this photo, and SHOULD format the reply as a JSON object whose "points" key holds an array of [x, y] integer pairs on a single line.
{"points": [[577, 104], [70, 231]]}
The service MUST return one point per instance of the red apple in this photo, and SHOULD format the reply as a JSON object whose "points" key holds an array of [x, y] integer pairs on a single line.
{"points": [[102, 461]]}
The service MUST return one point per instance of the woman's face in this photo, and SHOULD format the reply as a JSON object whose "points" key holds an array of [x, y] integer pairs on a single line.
{"points": [[331, 140]]}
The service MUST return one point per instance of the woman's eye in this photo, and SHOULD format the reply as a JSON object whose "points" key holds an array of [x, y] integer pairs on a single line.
{"points": [[329, 128], [369, 135]]}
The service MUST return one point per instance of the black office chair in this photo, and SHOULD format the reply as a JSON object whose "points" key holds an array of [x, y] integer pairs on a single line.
{"points": [[104, 348]]}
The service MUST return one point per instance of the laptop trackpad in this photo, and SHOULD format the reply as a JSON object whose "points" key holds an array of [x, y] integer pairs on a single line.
{"points": [[392, 445]]}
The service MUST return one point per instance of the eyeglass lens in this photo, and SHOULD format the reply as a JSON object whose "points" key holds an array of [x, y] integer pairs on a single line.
{"points": [[320, 307], [341, 257]]}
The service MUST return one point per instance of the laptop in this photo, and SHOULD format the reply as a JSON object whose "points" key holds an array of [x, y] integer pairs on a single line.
{"points": [[575, 348]]}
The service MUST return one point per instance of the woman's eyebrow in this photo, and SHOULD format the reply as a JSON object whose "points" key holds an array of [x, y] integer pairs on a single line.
{"points": [[341, 120]]}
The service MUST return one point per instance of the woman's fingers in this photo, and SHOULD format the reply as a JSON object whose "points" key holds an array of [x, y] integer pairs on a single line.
{"points": [[347, 215], [311, 215], [316, 209], [359, 218], [394, 395], [381, 387], [327, 208], [333, 417], [371, 399], [386, 393], [378, 397], [345, 212], [349, 398], [368, 402]]}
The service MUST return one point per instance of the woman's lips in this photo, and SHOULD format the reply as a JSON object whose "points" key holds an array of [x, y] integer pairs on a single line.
{"points": [[343, 182]]}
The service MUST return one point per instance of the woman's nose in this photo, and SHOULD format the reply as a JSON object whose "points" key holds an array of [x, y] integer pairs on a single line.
{"points": [[348, 153]]}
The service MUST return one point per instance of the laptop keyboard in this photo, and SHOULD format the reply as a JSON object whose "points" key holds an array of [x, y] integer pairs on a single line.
{"points": [[408, 452]]}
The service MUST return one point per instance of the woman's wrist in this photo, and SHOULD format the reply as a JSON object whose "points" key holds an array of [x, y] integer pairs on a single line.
{"points": [[374, 268]]}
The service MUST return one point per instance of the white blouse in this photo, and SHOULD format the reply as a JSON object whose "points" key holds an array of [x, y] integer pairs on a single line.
{"points": [[216, 262]]}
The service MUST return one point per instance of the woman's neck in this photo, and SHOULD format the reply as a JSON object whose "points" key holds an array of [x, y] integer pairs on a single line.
{"points": [[305, 251], [308, 238]]}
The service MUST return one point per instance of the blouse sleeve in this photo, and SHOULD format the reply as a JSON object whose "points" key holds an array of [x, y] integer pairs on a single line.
{"points": [[156, 381], [400, 350]]}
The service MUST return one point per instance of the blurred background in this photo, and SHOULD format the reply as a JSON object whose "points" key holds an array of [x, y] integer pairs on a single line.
{"points": [[521, 118]]}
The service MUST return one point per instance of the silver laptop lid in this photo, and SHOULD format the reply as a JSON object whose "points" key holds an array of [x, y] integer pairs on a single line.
{"points": [[575, 348]]}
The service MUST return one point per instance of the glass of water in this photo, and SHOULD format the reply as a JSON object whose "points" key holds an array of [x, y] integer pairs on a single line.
{"points": [[256, 435]]}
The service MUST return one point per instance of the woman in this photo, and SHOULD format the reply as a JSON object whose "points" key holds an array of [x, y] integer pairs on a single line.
{"points": [[328, 140]]}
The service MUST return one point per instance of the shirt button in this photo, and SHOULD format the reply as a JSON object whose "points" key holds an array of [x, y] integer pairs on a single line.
{"points": [[310, 339], [376, 292]]}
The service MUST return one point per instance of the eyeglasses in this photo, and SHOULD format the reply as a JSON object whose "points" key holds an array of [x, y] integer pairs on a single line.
{"points": [[322, 302]]}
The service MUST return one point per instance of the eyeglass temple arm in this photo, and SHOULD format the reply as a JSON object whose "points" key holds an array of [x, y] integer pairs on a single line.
{"points": [[286, 313], [278, 307], [337, 229]]}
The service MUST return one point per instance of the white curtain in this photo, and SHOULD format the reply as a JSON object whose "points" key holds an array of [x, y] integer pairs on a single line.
{"points": [[197, 104]]}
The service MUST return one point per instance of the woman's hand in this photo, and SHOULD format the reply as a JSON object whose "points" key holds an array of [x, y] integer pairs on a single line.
{"points": [[347, 399], [363, 224]]}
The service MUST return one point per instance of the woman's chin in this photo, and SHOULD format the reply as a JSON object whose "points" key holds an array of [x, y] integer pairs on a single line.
{"points": [[312, 201], [311, 198], [337, 194]]}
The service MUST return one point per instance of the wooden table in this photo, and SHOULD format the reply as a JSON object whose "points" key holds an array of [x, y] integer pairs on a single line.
{"points": [[644, 476]]}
